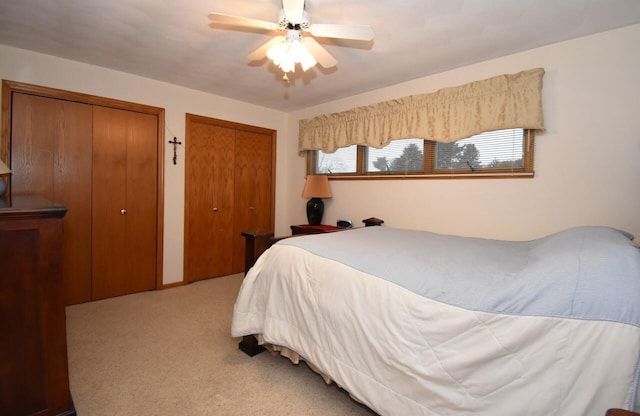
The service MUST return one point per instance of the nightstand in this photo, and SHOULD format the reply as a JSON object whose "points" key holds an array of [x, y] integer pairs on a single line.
{"points": [[314, 229]]}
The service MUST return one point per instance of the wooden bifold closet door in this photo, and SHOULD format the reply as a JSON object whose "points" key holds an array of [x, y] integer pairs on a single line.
{"points": [[51, 152], [102, 163], [230, 184], [124, 202]]}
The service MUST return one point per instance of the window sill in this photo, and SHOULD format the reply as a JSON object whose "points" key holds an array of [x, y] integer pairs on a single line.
{"points": [[518, 175]]}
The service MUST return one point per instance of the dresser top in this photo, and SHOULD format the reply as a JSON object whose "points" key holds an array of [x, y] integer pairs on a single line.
{"points": [[29, 206]]}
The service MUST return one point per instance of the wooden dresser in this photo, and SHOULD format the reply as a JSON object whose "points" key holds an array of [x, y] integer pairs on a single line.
{"points": [[34, 377]]}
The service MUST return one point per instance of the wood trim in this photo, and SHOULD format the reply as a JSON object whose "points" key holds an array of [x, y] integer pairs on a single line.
{"points": [[160, 202], [229, 124], [516, 175], [529, 143], [9, 87], [5, 133], [78, 97], [172, 285]]}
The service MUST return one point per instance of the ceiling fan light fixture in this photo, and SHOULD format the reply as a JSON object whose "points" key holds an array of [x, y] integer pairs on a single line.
{"points": [[302, 55], [289, 53], [290, 48]]}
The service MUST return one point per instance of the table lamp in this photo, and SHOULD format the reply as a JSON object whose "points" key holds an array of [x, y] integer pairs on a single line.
{"points": [[316, 187], [4, 175]]}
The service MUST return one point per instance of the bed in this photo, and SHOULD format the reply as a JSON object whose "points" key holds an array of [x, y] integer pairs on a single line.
{"points": [[418, 323]]}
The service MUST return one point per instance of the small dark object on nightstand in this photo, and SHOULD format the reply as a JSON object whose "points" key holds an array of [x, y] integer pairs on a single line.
{"points": [[372, 221]]}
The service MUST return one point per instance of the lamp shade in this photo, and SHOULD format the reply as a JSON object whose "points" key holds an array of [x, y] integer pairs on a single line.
{"points": [[4, 169], [316, 186]]}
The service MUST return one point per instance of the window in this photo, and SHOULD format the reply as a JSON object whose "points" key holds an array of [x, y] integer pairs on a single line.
{"points": [[500, 153], [342, 161]]}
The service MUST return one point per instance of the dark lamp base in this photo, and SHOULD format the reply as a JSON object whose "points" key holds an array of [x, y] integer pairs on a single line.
{"points": [[315, 210]]}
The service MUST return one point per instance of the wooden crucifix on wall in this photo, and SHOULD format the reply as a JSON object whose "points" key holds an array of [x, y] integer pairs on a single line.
{"points": [[175, 144]]}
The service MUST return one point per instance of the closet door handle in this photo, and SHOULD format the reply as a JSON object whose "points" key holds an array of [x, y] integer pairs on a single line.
{"points": [[123, 211], [215, 209], [252, 209]]}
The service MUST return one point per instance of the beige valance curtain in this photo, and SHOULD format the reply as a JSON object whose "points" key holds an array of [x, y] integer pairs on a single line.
{"points": [[450, 114]]}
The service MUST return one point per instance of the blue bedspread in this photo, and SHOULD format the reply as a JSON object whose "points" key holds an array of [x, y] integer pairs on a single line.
{"points": [[584, 272]]}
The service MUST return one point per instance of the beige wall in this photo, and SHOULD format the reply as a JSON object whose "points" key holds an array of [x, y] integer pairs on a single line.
{"points": [[24, 66], [587, 164], [590, 97]]}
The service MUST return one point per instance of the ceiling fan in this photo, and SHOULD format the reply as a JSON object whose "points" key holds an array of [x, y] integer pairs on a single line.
{"points": [[295, 46]]}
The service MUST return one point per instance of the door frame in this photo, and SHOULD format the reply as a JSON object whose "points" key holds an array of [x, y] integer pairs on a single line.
{"points": [[10, 87]]}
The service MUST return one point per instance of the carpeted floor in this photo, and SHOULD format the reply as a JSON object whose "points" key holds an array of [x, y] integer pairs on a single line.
{"points": [[170, 352]]}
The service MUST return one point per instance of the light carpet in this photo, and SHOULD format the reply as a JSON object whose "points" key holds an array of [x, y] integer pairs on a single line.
{"points": [[170, 352]]}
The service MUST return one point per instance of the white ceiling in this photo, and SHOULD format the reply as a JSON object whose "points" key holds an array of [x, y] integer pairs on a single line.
{"points": [[172, 41]]}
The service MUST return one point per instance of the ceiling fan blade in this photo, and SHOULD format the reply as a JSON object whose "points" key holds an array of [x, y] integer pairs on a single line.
{"points": [[261, 52], [293, 10], [356, 32], [242, 21], [323, 57]]}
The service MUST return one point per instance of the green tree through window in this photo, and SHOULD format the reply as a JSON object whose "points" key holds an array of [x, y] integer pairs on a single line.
{"points": [[411, 159], [455, 156]]}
